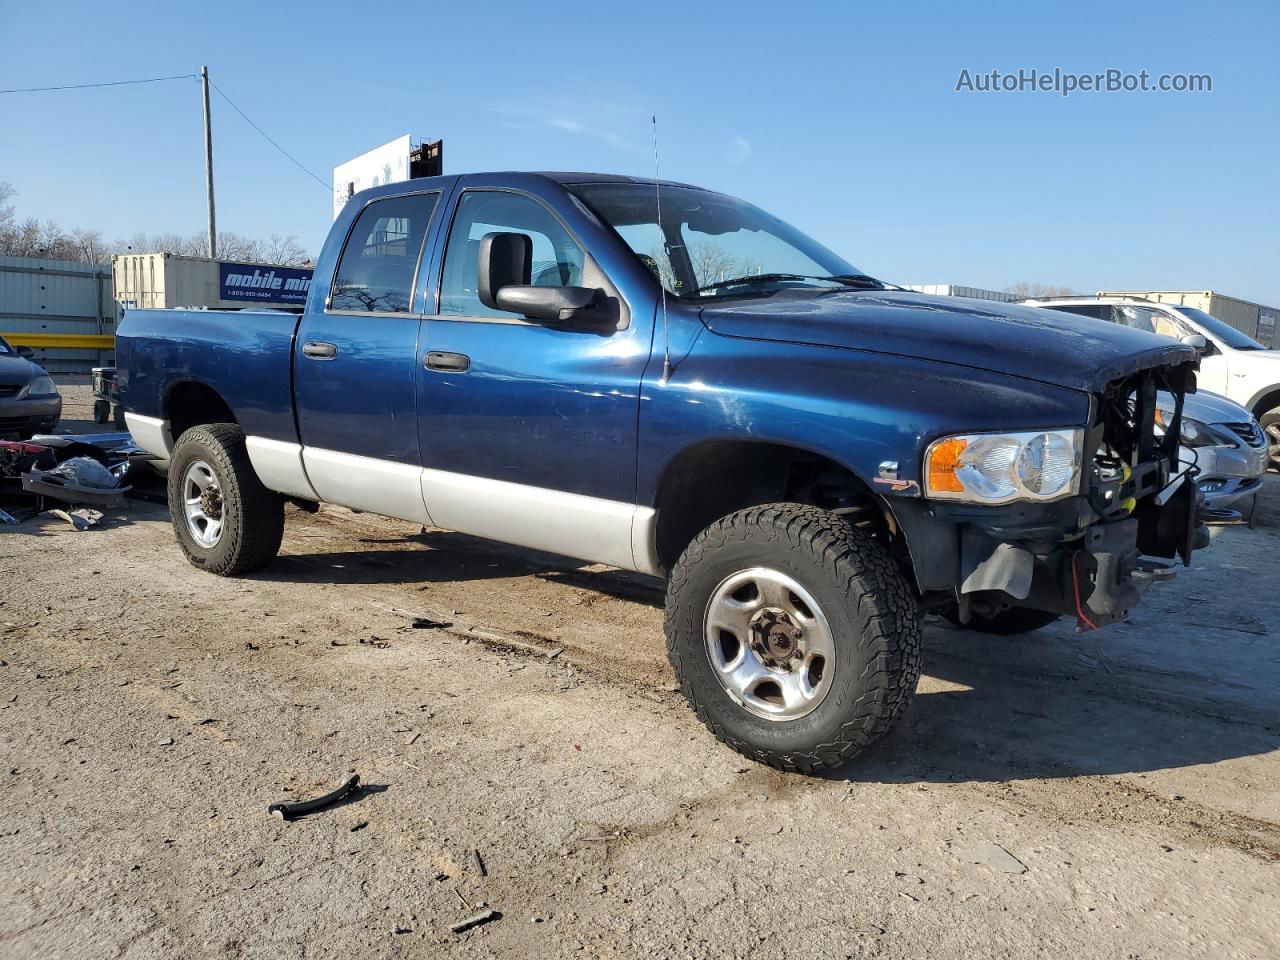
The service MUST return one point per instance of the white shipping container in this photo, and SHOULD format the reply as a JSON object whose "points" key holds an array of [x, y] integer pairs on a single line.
{"points": [[954, 290], [167, 281]]}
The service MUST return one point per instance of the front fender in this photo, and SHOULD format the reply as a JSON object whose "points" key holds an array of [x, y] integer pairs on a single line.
{"points": [[859, 409]]}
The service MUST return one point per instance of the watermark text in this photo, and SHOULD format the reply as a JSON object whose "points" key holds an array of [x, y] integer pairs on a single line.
{"points": [[1065, 83]]}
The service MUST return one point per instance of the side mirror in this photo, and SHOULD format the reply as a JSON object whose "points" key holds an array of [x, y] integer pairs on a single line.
{"points": [[25, 352], [553, 304], [1195, 340], [505, 266], [505, 260]]}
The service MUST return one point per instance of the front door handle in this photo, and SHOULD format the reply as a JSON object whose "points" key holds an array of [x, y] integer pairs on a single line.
{"points": [[319, 350], [457, 362]]}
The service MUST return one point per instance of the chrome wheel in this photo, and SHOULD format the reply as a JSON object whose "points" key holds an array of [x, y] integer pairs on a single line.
{"points": [[769, 644], [202, 503], [1272, 430]]}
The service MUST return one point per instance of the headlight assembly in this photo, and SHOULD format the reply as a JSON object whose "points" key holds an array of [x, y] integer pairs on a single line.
{"points": [[1002, 467], [41, 386], [1193, 432]]}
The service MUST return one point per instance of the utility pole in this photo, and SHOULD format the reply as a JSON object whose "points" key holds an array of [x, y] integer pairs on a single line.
{"points": [[208, 163]]}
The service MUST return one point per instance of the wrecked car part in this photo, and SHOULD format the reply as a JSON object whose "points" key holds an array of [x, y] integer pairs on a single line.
{"points": [[81, 519], [78, 480], [292, 810]]}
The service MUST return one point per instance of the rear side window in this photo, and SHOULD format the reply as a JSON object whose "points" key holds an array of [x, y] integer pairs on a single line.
{"points": [[375, 274]]}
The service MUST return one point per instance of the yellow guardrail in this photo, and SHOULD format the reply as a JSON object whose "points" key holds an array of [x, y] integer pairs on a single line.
{"points": [[82, 341]]}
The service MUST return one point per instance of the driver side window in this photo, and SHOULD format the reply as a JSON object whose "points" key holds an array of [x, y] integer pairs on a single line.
{"points": [[557, 258]]}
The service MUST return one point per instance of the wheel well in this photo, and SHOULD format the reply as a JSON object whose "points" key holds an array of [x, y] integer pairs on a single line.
{"points": [[714, 479], [191, 404], [1268, 402]]}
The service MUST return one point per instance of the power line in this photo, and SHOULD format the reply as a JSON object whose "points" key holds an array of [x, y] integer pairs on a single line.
{"points": [[328, 187], [110, 83]]}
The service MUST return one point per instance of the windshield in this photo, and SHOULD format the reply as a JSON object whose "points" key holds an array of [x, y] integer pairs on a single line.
{"points": [[710, 245], [1221, 331], [4, 346]]}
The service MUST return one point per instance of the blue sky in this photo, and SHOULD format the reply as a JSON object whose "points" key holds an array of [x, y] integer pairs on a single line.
{"points": [[840, 117]]}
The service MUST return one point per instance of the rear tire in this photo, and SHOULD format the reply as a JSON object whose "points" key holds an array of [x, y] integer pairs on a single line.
{"points": [[859, 623], [101, 411], [1006, 623], [226, 521]]}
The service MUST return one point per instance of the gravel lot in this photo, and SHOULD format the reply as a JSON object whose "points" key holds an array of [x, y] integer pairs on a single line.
{"points": [[149, 713]]}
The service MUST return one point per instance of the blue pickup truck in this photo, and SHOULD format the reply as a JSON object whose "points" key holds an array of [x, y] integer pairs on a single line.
{"points": [[672, 381]]}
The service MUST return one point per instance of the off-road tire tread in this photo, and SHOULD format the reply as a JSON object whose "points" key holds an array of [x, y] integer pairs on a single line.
{"points": [[257, 542], [885, 611]]}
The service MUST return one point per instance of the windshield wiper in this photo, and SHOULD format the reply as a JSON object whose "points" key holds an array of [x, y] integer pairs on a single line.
{"points": [[860, 280], [857, 280], [757, 278]]}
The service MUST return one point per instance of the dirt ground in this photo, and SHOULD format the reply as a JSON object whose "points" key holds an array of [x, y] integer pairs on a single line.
{"points": [[149, 713]]}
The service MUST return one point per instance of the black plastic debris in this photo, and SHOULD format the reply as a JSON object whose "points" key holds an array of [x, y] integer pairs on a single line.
{"points": [[291, 810]]}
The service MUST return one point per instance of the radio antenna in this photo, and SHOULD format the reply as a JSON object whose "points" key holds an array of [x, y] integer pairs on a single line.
{"points": [[657, 195]]}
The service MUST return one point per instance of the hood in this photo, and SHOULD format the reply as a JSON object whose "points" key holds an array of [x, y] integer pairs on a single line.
{"points": [[16, 371], [1048, 346], [1209, 408]]}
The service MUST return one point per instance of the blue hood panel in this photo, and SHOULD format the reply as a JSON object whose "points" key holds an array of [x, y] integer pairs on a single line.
{"points": [[1044, 345]]}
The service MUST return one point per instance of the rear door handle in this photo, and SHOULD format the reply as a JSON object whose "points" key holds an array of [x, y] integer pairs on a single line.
{"points": [[457, 362], [319, 350]]}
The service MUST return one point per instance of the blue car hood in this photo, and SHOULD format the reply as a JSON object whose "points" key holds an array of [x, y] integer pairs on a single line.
{"points": [[1043, 345]]}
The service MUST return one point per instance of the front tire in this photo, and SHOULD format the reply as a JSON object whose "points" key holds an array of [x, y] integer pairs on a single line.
{"points": [[1270, 423], [794, 637], [226, 521]]}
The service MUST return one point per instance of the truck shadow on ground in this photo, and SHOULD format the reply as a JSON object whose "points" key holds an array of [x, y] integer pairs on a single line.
{"points": [[999, 709], [990, 709], [454, 557]]}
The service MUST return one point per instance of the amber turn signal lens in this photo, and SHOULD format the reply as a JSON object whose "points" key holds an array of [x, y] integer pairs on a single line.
{"points": [[940, 471]]}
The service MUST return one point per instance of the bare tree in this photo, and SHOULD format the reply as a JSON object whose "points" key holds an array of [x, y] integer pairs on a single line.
{"points": [[7, 210], [30, 237], [1023, 290], [286, 250]]}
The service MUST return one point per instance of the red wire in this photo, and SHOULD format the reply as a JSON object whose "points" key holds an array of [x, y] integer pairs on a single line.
{"points": [[1075, 582]]}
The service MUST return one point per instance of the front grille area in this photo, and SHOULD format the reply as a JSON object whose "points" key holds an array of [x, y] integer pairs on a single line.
{"points": [[1249, 432]]}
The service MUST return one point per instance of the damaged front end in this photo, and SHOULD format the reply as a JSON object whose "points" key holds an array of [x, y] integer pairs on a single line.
{"points": [[1092, 555]]}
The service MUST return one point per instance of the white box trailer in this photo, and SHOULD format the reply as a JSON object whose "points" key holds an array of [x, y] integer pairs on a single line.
{"points": [[166, 281], [955, 290]]}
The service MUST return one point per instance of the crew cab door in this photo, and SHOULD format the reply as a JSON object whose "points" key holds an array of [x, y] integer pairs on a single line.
{"points": [[528, 430], [355, 363]]}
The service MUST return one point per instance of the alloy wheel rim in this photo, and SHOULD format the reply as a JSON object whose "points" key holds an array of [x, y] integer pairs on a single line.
{"points": [[1272, 431], [769, 644], [202, 503]]}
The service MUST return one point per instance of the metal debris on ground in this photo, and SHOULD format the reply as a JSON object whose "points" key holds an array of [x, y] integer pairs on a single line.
{"points": [[292, 810], [423, 623], [7, 518], [485, 916], [82, 518], [479, 861]]}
